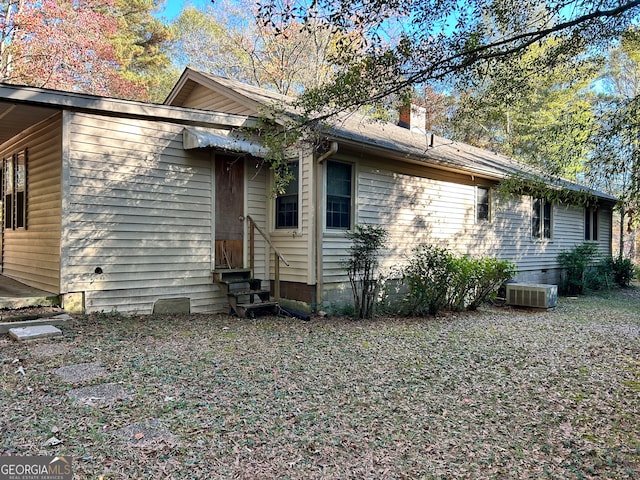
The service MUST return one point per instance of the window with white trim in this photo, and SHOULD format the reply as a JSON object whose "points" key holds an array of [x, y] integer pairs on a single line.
{"points": [[14, 186], [591, 223], [338, 195], [287, 204], [483, 204], [541, 219]]}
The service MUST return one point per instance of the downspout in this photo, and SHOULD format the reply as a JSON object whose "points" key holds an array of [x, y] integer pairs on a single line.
{"points": [[332, 151], [319, 223]]}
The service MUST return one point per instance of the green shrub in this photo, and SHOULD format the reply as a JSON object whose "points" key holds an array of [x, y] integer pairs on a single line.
{"points": [[490, 274], [438, 280], [578, 262], [620, 269], [427, 275], [598, 277], [586, 270]]}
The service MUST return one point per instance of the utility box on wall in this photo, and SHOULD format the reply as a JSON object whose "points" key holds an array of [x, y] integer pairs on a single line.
{"points": [[537, 295]]}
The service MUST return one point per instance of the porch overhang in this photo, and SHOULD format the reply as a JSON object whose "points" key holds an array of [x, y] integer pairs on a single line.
{"points": [[228, 140]]}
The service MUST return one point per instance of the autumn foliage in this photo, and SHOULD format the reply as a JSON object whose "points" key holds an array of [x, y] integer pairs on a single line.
{"points": [[65, 45]]}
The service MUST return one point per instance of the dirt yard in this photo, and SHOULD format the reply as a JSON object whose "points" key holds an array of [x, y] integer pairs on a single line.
{"points": [[500, 393]]}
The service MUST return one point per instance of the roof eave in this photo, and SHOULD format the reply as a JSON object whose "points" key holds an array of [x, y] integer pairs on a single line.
{"points": [[113, 106], [418, 159]]}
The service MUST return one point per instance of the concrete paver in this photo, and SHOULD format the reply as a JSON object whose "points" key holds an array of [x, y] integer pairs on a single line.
{"points": [[81, 372], [98, 395], [34, 332]]}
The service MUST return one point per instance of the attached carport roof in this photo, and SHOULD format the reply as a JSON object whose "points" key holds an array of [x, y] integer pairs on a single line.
{"points": [[15, 118], [22, 107]]}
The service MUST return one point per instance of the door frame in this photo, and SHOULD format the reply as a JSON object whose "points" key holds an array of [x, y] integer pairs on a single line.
{"points": [[229, 211]]}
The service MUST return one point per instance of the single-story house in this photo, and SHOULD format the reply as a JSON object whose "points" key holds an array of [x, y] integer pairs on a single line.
{"points": [[117, 205]]}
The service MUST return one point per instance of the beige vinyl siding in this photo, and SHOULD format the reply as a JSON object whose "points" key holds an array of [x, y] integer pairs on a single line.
{"points": [[204, 98], [307, 189], [415, 209], [32, 255], [257, 207], [295, 244], [138, 207], [605, 230]]}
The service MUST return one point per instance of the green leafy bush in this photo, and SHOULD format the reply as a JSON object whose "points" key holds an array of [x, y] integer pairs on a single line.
{"points": [[489, 275], [579, 263], [620, 269], [427, 275], [437, 279]]}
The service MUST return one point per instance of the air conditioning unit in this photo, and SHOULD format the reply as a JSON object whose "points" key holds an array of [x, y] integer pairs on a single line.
{"points": [[538, 295]]}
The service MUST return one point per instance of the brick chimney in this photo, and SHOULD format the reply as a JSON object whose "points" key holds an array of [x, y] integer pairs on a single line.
{"points": [[404, 119], [413, 117]]}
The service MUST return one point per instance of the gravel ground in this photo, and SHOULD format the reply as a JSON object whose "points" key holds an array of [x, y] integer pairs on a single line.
{"points": [[499, 393]]}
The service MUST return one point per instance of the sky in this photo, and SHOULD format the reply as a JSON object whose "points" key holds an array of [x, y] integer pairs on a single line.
{"points": [[170, 9]]}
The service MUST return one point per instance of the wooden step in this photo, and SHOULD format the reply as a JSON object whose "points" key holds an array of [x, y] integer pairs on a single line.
{"points": [[245, 310], [244, 293], [227, 286], [231, 275], [234, 297], [261, 294], [258, 300]]}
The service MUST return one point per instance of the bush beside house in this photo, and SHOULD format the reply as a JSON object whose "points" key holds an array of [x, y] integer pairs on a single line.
{"points": [[585, 269]]}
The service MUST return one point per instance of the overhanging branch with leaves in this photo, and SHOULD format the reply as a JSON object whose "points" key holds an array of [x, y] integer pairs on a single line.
{"points": [[554, 191]]}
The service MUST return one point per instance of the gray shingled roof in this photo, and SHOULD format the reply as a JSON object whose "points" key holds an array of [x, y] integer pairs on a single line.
{"points": [[401, 142], [439, 151]]}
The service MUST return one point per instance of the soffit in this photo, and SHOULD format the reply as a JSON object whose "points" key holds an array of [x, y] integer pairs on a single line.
{"points": [[15, 118]]}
